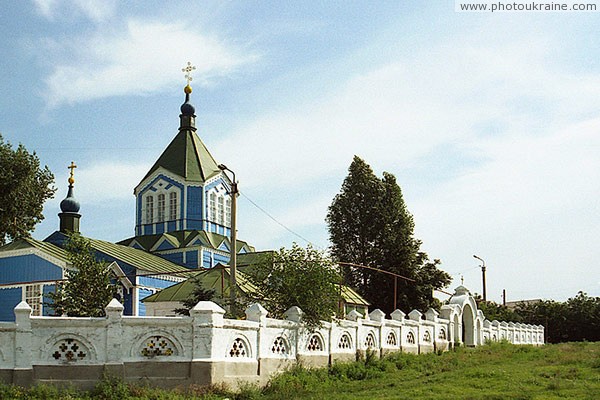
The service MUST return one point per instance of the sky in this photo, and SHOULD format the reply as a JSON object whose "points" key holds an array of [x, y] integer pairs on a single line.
{"points": [[490, 122]]}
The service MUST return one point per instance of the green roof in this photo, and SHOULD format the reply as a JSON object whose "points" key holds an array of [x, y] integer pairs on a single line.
{"points": [[181, 239], [216, 278], [351, 297], [139, 259], [48, 248], [186, 156]]}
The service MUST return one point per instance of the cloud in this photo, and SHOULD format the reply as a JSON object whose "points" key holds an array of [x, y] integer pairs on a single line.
{"points": [[145, 58], [96, 11]]}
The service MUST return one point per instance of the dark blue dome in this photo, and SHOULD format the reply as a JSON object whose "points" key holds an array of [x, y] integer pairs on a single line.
{"points": [[187, 109], [69, 204]]}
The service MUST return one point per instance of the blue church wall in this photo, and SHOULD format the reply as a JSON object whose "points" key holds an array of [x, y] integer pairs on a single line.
{"points": [[28, 268], [154, 282], [191, 259], [219, 258], [173, 257], [127, 302], [9, 298], [207, 259], [194, 207], [45, 290], [142, 294], [149, 229]]}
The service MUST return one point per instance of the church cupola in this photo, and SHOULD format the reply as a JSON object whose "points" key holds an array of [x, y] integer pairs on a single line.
{"points": [[69, 217], [184, 189]]}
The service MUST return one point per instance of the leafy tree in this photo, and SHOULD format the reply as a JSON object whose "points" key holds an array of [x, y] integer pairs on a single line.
{"points": [[499, 312], [87, 288], [369, 224], [296, 277], [577, 319], [199, 293], [24, 187]]}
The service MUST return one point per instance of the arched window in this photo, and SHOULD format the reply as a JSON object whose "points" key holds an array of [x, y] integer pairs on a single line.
{"points": [[172, 206], [228, 212], [212, 207], [161, 207], [149, 209], [221, 210]]}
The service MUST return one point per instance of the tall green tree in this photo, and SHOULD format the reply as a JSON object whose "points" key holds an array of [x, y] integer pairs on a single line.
{"points": [[87, 288], [303, 277], [369, 224], [24, 187]]}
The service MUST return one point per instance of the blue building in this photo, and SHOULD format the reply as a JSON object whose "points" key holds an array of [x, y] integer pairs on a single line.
{"points": [[183, 222]]}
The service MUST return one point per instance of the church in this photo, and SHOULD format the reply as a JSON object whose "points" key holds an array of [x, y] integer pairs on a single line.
{"points": [[183, 223]]}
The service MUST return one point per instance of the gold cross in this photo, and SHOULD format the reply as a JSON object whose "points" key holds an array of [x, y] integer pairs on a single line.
{"points": [[462, 280], [72, 167], [188, 72]]}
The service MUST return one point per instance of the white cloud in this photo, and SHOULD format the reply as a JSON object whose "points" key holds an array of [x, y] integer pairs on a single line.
{"points": [[96, 11], [146, 57]]}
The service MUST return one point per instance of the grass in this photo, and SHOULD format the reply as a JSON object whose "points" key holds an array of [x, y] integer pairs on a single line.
{"points": [[494, 371]]}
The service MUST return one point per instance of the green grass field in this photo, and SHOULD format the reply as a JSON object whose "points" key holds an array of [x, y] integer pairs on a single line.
{"points": [[496, 371]]}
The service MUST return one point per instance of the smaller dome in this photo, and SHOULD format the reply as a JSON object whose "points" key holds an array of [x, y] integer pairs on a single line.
{"points": [[69, 204], [188, 109]]}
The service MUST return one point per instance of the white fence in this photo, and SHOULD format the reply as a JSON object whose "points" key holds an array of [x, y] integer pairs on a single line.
{"points": [[206, 348]]}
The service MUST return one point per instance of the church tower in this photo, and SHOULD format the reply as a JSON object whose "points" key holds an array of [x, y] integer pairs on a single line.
{"points": [[184, 189]]}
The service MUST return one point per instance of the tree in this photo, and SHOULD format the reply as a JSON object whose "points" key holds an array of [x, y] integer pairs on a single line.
{"points": [[369, 224], [199, 293], [296, 277], [24, 187], [87, 288], [577, 319]]}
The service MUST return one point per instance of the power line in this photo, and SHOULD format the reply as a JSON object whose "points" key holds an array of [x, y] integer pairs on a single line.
{"points": [[275, 219]]}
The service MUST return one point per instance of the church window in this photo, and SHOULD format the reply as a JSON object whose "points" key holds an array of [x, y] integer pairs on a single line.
{"points": [[172, 206], [221, 210], [228, 212], [149, 209], [161, 207], [33, 297], [212, 204]]}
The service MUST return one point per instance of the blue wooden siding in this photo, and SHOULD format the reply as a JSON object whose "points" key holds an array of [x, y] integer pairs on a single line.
{"points": [[45, 290], [160, 227], [28, 268], [142, 294], [154, 282], [147, 230], [173, 257], [194, 207], [207, 259], [191, 258], [9, 298], [221, 259], [171, 226]]}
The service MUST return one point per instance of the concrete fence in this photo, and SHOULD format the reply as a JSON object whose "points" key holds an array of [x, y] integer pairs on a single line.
{"points": [[205, 348]]}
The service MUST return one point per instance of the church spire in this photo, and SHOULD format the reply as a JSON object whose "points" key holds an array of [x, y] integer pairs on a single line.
{"points": [[188, 112], [69, 217]]}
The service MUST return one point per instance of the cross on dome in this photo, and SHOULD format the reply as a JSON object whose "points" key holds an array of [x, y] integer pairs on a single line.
{"points": [[188, 72], [72, 168]]}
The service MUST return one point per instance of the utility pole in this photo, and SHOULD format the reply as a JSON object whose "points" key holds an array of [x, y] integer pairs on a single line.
{"points": [[483, 275], [233, 246]]}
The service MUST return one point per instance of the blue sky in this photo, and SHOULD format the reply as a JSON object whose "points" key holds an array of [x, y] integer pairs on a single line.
{"points": [[490, 122]]}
